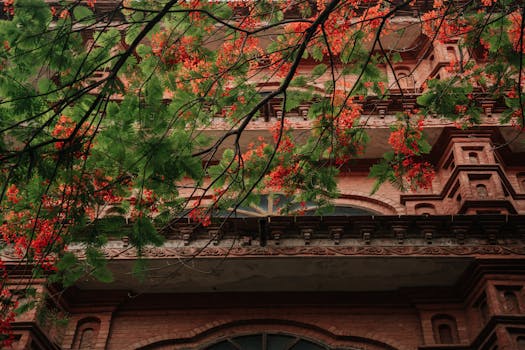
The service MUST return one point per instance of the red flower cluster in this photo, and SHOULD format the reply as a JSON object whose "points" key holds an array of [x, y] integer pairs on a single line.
{"points": [[29, 236], [517, 38], [174, 53], [7, 311], [12, 194], [79, 143], [200, 214], [282, 177], [8, 7], [437, 25], [146, 203], [405, 143]]}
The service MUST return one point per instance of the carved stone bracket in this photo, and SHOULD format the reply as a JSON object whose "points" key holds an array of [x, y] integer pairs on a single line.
{"points": [[276, 235], [429, 231], [307, 235], [215, 234], [186, 234], [336, 232], [409, 105], [460, 229], [246, 241], [366, 229], [492, 229], [303, 110], [382, 108], [488, 107], [399, 227]]}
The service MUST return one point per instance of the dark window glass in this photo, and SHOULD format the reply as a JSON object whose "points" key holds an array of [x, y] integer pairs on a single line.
{"points": [[266, 342], [225, 345], [305, 345], [249, 342], [280, 342], [445, 334]]}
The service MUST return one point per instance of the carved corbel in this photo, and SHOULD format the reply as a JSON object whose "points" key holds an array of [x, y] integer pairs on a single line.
{"points": [[460, 230], [488, 107], [307, 235], [400, 230], [336, 233], [186, 235], [382, 108], [303, 110], [215, 235], [246, 241], [428, 230], [276, 236], [366, 229], [492, 229], [409, 106]]}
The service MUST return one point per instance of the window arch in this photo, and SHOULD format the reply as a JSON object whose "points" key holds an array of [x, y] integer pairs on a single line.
{"points": [[473, 158], [275, 204], [511, 303], [86, 333], [451, 53], [404, 77], [266, 341], [445, 329], [445, 334], [521, 181], [425, 209], [482, 191]]}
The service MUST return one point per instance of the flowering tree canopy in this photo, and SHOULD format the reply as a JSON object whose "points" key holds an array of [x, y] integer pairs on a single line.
{"points": [[141, 107]]}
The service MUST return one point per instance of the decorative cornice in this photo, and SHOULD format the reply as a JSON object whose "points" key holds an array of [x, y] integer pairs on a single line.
{"points": [[308, 251]]}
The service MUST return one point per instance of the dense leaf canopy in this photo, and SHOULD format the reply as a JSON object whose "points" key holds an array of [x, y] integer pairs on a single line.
{"points": [[141, 106]]}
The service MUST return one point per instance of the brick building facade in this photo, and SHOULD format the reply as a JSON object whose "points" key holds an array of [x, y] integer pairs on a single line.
{"points": [[437, 269]]}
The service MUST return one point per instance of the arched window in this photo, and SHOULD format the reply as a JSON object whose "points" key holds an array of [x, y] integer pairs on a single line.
{"points": [[86, 334], [445, 334], [425, 209], [405, 78], [511, 302], [445, 329], [521, 181], [87, 339], [451, 53], [473, 158], [482, 191], [266, 342], [277, 204]]}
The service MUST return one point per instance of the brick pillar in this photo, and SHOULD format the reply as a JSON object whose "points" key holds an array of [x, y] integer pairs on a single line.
{"points": [[493, 300], [505, 342], [103, 332]]}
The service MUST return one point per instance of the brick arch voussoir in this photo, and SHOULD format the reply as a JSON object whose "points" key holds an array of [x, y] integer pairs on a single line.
{"points": [[373, 202], [213, 332]]}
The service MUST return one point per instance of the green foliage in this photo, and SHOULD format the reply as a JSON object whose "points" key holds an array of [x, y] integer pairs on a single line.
{"points": [[150, 131], [96, 260]]}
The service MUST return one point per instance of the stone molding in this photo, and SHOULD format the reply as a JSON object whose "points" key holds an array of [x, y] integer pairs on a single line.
{"points": [[307, 251]]}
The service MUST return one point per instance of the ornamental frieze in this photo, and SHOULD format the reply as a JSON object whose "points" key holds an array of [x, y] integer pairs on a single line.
{"points": [[211, 252]]}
